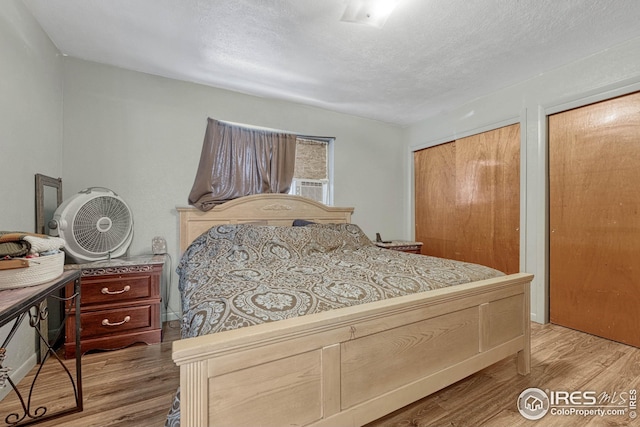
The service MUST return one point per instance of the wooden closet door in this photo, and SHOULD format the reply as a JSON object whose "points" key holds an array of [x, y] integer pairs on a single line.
{"points": [[488, 198], [467, 199], [594, 204], [435, 200]]}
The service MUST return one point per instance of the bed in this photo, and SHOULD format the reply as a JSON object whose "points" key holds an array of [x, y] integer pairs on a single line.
{"points": [[337, 366]]}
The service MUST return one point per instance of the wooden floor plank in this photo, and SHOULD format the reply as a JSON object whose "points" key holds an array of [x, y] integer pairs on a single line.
{"points": [[135, 386], [129, 387]]}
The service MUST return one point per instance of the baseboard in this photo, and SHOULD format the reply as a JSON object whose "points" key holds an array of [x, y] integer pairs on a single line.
{"points": [[167, 317], [536, 318], [17, 374]]}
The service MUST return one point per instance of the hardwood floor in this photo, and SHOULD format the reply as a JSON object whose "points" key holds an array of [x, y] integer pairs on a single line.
{"points": [[562, 360], [129, 387], [135, 386]]}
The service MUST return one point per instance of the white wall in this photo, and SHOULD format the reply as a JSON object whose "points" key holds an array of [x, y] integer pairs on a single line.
{"points": [[30, 138], [141, 136], [610, 73]]}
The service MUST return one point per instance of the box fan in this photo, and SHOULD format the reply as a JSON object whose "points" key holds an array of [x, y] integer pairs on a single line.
{"points": [[96, 224]]}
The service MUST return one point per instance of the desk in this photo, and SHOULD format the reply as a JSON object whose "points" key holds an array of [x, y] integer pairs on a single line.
{"points": [[15, 305]]}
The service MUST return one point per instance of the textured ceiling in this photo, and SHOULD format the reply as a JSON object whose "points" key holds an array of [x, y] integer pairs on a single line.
{"points": [[430, 56]]}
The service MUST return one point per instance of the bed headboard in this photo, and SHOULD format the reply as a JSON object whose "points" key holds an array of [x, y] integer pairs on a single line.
{"points": [[267, 209]]}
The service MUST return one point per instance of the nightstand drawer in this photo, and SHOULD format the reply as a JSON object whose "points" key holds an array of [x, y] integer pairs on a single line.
{"points": [[105, 290], [117, 320]]}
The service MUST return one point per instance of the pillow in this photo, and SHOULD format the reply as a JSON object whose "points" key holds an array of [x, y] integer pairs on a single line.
{"points": [[302, 222], [350, 235], [282, 242]]}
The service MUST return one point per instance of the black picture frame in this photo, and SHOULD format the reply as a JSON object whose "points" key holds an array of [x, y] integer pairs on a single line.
{"points": [[44, 200]]}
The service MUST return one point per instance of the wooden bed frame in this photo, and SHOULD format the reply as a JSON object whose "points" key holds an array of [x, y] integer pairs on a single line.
{"points": [[349, 366]]}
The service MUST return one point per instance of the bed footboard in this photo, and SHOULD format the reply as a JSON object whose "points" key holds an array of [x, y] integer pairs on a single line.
{"points": [[353, 365]]}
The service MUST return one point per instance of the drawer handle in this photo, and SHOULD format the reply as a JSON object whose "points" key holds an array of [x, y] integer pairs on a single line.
{"points": [[106, 291], [105, 322]]}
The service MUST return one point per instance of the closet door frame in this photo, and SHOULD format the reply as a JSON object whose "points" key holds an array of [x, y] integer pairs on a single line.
{"points": [[542, 172], [467, 208], [594, 238], [534, 195], [520, 119]]}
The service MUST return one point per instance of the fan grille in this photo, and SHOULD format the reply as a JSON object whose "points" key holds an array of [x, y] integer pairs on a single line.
{"points": [[102, 224]]}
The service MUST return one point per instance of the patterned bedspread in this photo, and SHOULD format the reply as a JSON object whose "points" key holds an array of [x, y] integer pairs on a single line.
{"points": [[241, 275]]}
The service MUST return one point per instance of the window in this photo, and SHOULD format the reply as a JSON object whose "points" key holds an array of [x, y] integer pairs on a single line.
{"points": [[311, 177]]}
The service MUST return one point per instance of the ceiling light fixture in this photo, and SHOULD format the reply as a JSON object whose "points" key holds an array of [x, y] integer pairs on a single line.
{"points": [[369, 12]]}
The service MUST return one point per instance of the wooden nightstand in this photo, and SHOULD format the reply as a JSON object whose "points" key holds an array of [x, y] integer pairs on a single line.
{"points": [[402, 246], [120, 304]]}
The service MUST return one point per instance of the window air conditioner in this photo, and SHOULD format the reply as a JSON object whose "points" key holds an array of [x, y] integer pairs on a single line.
{"points": [[315, 189]]}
